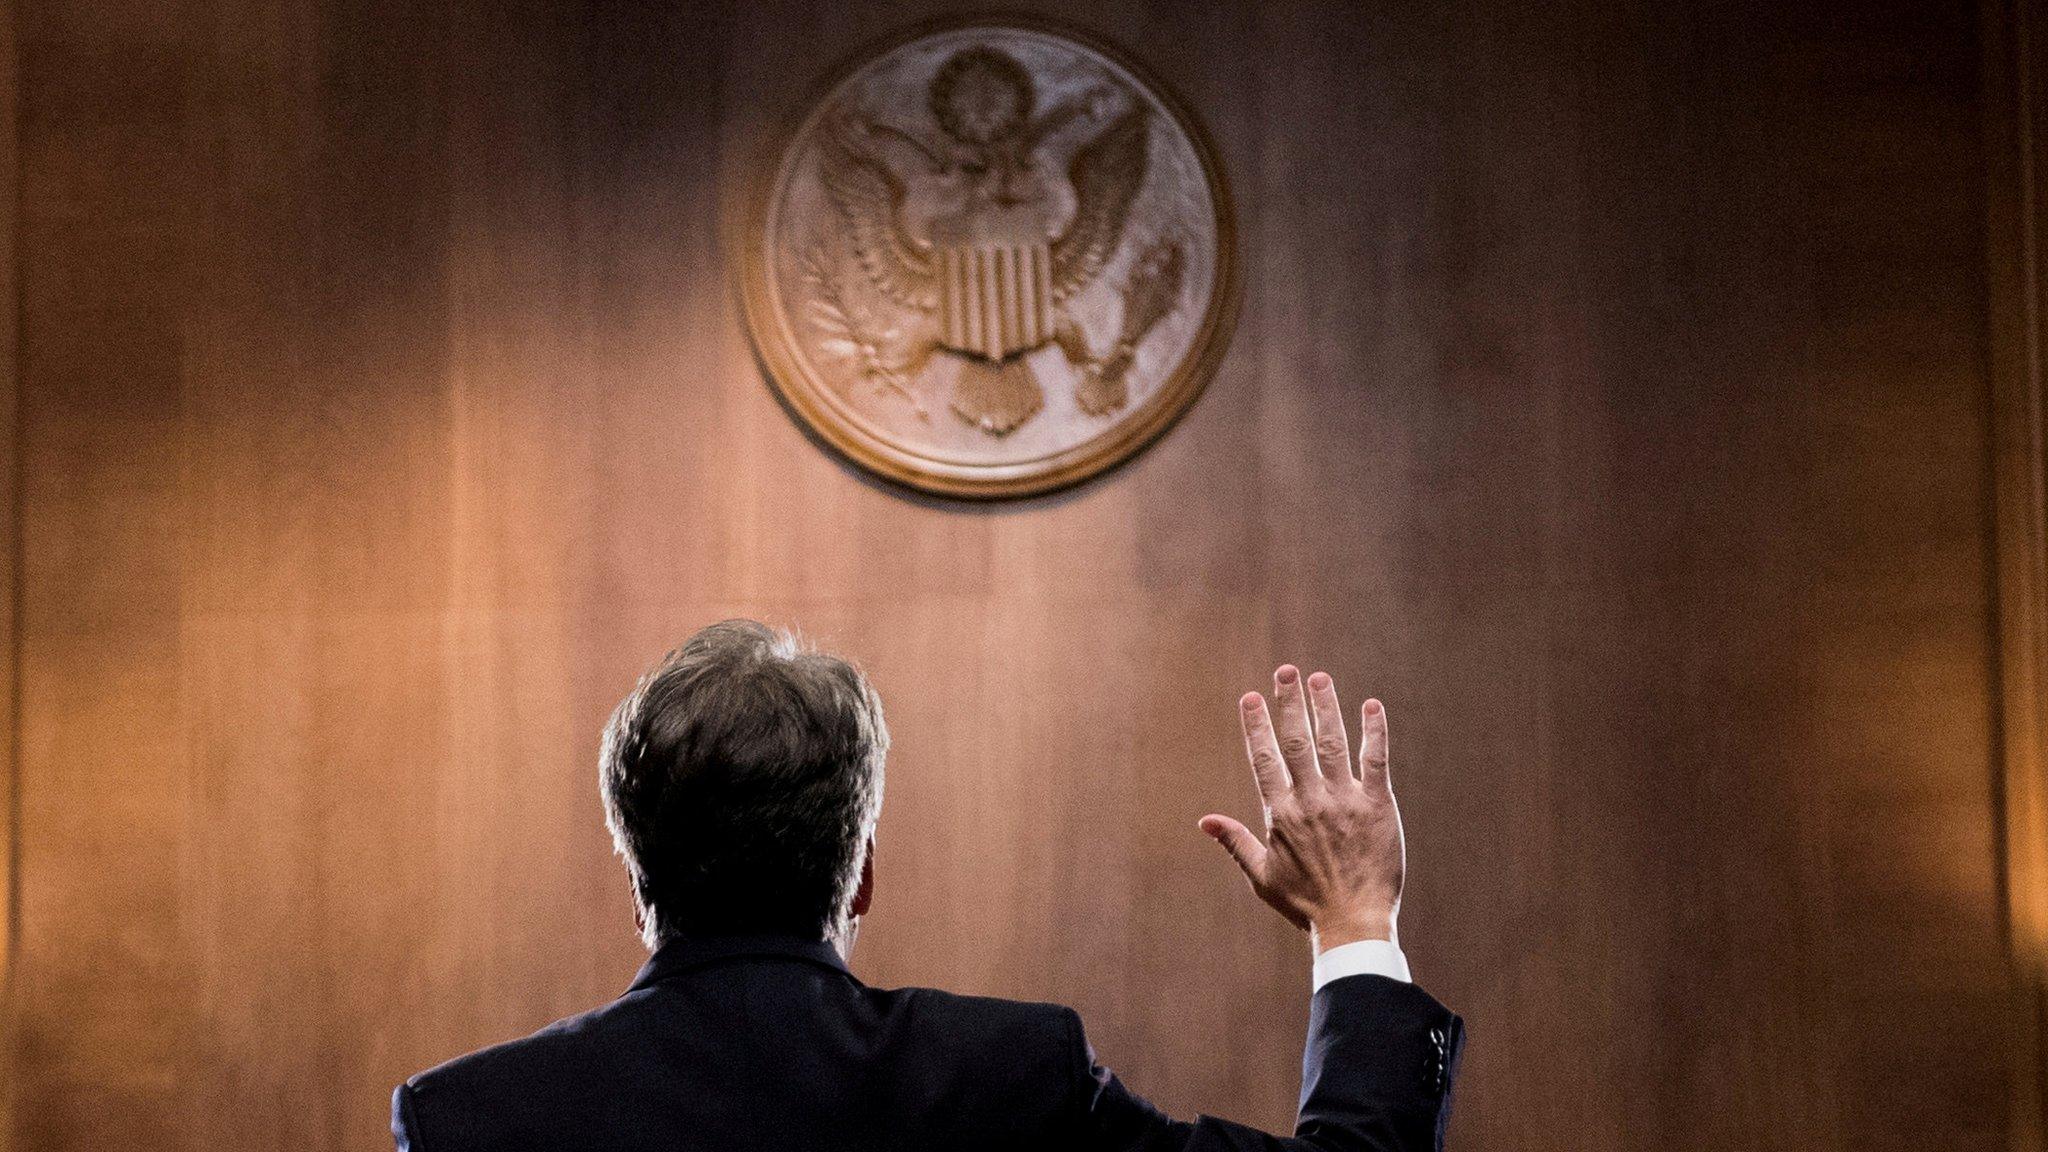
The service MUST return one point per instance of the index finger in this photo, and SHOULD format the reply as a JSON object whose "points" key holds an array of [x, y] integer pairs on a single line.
{"points": [[1267, 770]]}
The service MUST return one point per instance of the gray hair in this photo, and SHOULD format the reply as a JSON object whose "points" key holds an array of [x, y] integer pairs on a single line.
{"points": [[742, 778]]}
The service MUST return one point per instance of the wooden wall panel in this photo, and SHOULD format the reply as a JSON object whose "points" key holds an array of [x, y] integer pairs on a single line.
{"points": [[10, 532], [2016, 40], [1612, 396]]}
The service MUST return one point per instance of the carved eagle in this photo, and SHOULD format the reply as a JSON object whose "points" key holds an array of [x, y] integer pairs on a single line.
{"points": [[1106, 174]]}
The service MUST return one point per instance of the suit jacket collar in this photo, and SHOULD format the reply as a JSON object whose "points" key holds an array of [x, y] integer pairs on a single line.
{"points": [[680, 954]]}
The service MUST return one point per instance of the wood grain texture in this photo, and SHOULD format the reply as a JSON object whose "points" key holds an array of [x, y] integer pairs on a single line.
{"points": [[10, 534], [2015, 42], [1611, 396]]}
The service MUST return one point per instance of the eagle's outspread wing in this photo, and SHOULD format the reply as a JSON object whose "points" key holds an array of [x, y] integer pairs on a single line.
{"points": [[867, 194], [1107, 173]]}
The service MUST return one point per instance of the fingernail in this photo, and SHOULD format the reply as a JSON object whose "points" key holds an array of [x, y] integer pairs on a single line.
{"points": [[1319, 681], [1286, 674], [1249, 701], [1372, 706]]}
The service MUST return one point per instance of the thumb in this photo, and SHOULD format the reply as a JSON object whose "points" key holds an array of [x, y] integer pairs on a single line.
{"points": [[1236, 840]]}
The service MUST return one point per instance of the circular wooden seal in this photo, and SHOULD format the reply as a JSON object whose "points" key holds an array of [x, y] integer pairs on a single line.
{"points": [[991, 259]]}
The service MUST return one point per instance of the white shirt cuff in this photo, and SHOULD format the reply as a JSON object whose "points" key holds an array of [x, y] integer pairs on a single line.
{"points": [[1362, 958]]}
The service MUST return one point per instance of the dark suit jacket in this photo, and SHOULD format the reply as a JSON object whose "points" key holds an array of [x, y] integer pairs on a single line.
{"points": [[765, 1044]]}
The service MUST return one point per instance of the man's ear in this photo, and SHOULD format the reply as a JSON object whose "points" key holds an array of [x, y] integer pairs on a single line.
{"points": [[864, 896]]}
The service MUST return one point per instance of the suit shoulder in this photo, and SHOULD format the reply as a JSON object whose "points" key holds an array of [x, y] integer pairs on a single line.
{"points": [[1021, 1036], [984, 1013], [1017, 1059], [572, 1038], [498, 1096]]}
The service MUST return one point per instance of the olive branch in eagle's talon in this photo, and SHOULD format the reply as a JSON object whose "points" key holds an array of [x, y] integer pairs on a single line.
{"points": [[846, 336]]}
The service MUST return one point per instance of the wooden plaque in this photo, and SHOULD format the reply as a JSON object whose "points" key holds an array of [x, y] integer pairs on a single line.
{"points": [[991, 259]]}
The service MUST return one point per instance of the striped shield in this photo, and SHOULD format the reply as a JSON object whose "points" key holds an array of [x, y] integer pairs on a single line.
{"points": [[995, 300]]}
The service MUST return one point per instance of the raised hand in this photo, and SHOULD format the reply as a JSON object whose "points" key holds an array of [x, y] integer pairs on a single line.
{"points": [[1333, 859]]}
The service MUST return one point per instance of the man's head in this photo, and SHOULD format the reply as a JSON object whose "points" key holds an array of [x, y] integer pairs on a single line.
{"points": [[742, 779]]}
